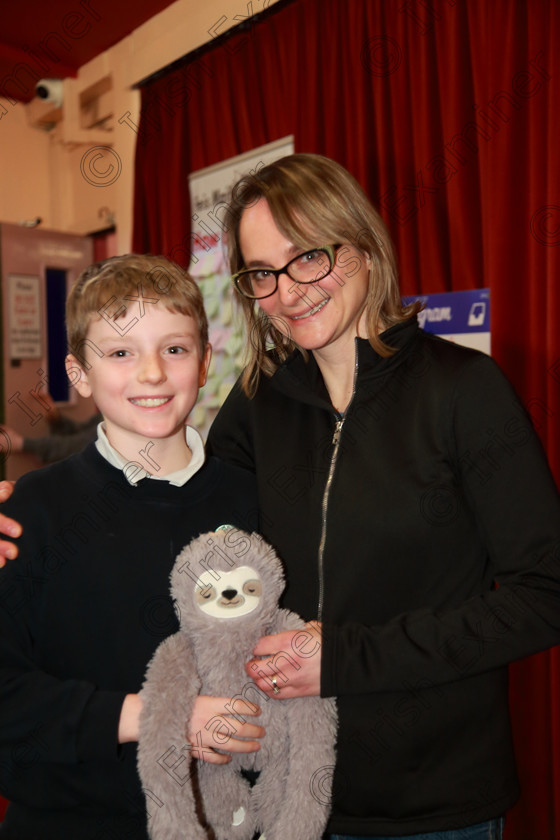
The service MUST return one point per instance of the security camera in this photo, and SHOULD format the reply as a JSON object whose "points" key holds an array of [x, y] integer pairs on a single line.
{"points": [[50, 90], [31, 223]]}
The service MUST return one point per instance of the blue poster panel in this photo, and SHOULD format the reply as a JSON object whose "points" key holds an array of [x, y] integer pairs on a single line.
{"points": [[463, 317]]}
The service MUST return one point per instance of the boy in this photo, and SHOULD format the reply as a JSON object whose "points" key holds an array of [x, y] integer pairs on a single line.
{"points": [[86, 603]]}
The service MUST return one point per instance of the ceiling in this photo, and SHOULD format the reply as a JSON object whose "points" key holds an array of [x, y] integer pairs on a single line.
{"points": [[53, 38]]}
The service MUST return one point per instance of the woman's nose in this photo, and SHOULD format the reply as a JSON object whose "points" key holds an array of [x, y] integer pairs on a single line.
{"points": [[290, 292]]}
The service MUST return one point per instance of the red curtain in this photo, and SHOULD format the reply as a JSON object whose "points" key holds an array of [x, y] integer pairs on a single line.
{"points": [[448, 113]]}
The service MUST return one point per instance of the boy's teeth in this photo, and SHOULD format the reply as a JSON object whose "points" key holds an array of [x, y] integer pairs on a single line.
{"points": [[151, 402]]}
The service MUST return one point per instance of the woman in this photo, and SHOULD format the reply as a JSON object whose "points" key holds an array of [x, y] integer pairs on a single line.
{"points": [[391, 466]]}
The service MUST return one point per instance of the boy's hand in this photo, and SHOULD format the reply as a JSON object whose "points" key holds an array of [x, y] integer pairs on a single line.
{"points": [[129, 719], [8, 526], [215, 724], [218, 724]]}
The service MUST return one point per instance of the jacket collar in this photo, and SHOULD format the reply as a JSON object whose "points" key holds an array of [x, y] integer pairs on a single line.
{"points": [[301, 379]]}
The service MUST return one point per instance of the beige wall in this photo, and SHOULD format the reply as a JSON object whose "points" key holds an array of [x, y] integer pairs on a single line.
{"points": [[60, 174], [29, 253]]}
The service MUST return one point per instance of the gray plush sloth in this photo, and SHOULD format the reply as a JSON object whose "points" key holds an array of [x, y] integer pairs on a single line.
{"points": [[226, 586]]}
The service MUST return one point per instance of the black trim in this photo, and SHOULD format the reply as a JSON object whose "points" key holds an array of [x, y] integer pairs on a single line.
{"points": [[210, 45]]}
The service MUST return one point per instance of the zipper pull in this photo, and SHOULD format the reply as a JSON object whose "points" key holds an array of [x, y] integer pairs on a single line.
{"points": [[337, 431]]}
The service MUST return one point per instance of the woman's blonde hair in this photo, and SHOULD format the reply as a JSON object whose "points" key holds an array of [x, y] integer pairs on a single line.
{"points": [[110, 288], [314, 202]]}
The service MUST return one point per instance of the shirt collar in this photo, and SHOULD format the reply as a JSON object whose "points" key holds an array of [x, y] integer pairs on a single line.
{"points": [[135, 472]]}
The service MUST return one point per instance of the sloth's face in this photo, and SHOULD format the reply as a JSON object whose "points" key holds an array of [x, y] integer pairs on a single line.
{"points": [[229, 594]]}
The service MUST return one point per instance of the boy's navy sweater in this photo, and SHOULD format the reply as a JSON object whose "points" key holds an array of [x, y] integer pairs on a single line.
{"points": [[82, 610]]}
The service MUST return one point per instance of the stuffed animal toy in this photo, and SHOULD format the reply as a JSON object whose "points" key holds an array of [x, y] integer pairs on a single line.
{"points": [[226, 586]]}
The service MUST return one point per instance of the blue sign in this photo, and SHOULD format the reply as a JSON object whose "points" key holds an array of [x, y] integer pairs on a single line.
{"points": [[457, 316]]}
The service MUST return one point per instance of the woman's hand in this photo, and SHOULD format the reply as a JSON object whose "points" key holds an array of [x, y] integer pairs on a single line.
{"points": [[217, 723], [291, 666], [9, 527]]}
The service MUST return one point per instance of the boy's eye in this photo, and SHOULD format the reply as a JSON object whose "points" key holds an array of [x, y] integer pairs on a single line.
{"points": [[174, 350], [120, 354]]}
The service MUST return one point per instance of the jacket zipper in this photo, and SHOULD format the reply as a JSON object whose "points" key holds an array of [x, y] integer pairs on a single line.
{"points": [[339, 422]]}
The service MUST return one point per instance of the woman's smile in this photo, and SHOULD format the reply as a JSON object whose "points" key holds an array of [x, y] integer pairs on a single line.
{"points": [[324, 316]]}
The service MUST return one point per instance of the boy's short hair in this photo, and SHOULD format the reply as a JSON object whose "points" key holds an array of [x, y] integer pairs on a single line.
{"points": [[102, 289]]}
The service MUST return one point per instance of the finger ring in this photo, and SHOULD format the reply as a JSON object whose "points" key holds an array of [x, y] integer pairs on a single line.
{"points": [[275, 688]]}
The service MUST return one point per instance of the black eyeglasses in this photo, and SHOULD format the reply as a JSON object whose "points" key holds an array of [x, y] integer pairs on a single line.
{"points": [[309, 267]]}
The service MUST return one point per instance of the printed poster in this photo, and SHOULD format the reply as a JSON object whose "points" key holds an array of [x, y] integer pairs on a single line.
{"points": [[463, 317], [210, 189]]}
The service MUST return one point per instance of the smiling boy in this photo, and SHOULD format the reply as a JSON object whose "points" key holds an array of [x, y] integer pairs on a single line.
{"points": [[145, 384], [86, 603]]}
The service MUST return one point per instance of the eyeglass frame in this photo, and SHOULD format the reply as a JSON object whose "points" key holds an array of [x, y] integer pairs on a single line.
{"points": [[330, 250]]}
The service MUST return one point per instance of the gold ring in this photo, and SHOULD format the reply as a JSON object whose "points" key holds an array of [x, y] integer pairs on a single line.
{"points": [[275, 688]]}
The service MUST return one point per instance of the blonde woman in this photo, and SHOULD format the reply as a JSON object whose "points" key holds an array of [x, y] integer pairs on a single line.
{"points": [[402, 484]]}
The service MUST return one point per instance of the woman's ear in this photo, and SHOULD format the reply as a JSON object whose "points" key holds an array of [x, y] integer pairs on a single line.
{"points": [[77, 376], [204, 365]]}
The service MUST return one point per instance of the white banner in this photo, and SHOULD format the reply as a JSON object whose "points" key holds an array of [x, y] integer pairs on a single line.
{"points": [[210, 189]]}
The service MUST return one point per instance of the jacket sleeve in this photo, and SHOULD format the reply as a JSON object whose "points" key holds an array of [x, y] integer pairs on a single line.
{"points": [[230, 436], [503, 479], [64, 425], [57, 446], [43, 715]]}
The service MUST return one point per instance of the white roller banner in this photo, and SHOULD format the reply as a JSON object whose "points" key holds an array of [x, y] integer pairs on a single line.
{"points": [[210, 189]]}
